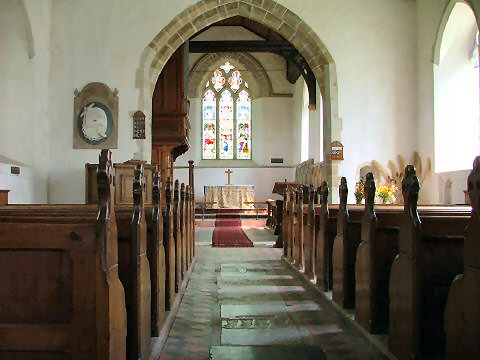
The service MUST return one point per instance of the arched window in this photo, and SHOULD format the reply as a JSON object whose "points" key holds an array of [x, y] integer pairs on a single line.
{"points": [[226, 116], [456, 81]]}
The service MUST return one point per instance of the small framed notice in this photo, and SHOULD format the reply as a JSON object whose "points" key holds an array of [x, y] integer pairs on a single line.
{"points": [[336, 150], [139, 125]]}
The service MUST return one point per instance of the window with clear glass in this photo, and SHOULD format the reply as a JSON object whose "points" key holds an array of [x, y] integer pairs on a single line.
{"points": [[226, 116]]}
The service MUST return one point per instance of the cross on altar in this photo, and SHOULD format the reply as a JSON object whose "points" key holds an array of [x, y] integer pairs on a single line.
{"points": [[228, 172]]}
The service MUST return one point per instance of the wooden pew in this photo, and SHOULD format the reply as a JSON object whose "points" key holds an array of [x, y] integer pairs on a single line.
{"points": [[345, 247], [375, 254], [191, 184], [156, 258], [133, 265], [123, 219], [155, 249], [309, 232], [462, 313], [169, 244], [61, 297], [291, 231], [177, 236], [183, 233], [430, 255], [298, 229], [285, 223], [191, 243], [135, 275], [325, 235], [188, 223]]}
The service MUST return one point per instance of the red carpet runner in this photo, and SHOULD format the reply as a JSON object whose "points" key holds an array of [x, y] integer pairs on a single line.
{"points": [[228, 231]]}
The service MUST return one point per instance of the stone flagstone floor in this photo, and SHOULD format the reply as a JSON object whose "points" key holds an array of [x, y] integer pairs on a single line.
{"points": [[245, 303]]}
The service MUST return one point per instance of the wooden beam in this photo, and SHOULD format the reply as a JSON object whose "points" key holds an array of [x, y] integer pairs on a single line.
{"points": [[239, 46], [296, 64]]}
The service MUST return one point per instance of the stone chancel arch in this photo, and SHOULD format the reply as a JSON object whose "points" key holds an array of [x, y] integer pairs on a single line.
{"points": [[269, 13]]}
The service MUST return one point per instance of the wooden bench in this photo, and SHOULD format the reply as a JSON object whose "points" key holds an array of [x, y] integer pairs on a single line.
{"points": [[344, 250], [61, 295], [462, 314], [155, 252], [367, 240], [430, 255]]}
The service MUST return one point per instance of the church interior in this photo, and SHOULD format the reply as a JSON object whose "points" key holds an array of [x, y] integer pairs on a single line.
{"points": [[239, 179]]}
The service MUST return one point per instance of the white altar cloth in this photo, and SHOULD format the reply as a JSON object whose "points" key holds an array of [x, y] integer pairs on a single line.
{"points": [[229, 196]]}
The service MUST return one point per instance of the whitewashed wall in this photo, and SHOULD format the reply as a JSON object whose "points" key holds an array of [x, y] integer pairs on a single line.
{"points": [[24, 68]]}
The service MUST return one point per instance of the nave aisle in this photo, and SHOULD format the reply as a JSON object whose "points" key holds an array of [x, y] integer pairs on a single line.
{"points": [[250, 297]]}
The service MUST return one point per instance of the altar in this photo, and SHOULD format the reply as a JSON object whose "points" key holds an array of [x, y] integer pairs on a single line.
{"points": [[229, 196]]}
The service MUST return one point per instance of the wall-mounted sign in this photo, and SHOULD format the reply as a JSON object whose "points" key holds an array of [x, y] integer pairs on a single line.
{"points": [[336, 150], [139, 125]]}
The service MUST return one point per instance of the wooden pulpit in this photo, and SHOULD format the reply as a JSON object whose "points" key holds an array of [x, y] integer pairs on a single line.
{"points": [[124, 176]]}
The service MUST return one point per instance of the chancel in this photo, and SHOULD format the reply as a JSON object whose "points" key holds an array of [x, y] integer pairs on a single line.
{"points": [[229, 196], [262, 179]]}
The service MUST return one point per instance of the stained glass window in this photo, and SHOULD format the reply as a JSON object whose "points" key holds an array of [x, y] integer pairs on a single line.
{"points": [[226, 116], [226, 125], [235, 81], [218, 80], [243, 125], [209, 109]]}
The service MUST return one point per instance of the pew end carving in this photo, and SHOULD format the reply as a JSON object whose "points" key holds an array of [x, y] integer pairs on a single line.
{"points": [[404, 286], [169, 244], [322, 246], [344, 252], [462, 312], [157, 257]]}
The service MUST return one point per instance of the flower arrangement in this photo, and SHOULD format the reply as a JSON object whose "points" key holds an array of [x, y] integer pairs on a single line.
{"points": [[386, 193], [360, 190]]}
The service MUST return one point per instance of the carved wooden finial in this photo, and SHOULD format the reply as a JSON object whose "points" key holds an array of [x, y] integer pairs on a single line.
{"points": [[138, 186], [410, 189], [473, 185], [156, 195], [291, 193], [175, 192], [104, 182], [168, 191], [343, 192], [156, 189], [182, 191], [323, 193], [369, 192]]}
